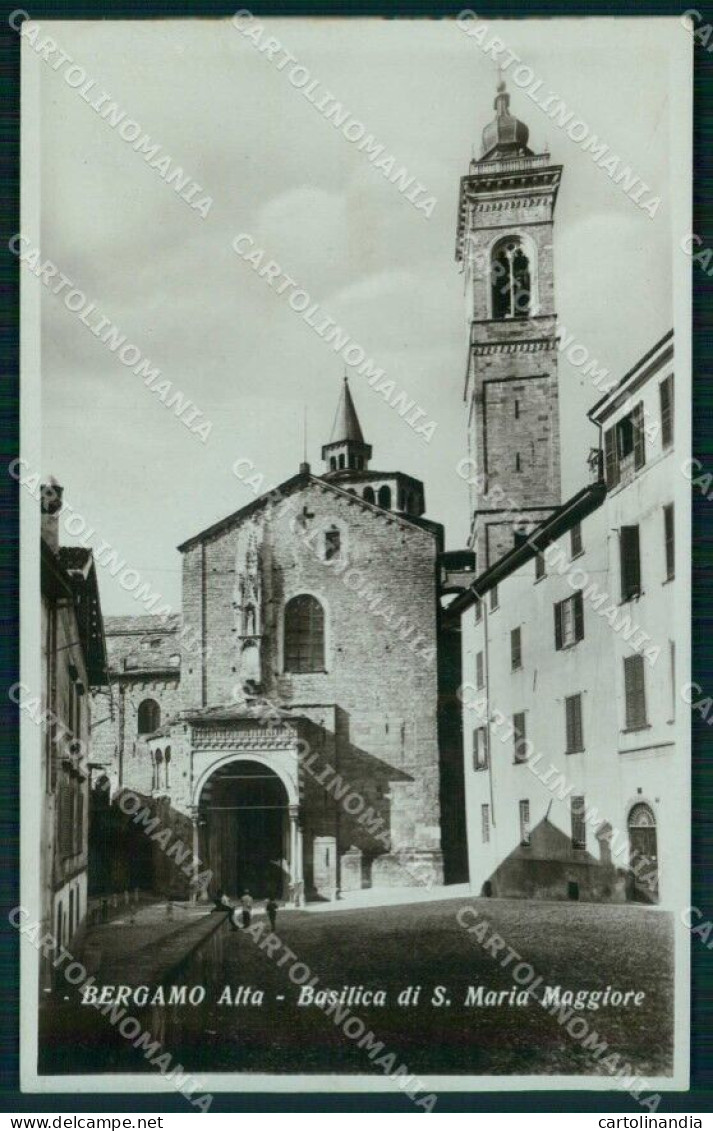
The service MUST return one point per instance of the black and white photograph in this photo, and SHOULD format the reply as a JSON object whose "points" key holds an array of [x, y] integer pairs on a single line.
{"points": [[355, 479]]}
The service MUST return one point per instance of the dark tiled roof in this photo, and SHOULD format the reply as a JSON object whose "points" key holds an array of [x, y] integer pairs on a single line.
{"points": [[142, 625]]}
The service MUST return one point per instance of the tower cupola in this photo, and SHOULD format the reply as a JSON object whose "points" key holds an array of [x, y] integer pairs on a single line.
{"points": [[505, 136]]}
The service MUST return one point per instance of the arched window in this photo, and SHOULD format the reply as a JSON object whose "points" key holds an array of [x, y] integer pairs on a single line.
{"points": [[341, 463], [149, 716], [304, 634], [511, 281], [369, 496], [158, 761], [332, 463], [167, 759], [385, 497]]}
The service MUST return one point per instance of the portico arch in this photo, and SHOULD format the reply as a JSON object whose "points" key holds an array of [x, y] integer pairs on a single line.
{"points": [[248, 756], [246, 815]]}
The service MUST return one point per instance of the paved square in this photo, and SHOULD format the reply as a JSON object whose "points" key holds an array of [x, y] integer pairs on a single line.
{"points": [[575, 946]]}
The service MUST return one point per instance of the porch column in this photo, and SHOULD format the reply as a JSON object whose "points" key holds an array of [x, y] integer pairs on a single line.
{"points": [[196, 853], [295, 855]]}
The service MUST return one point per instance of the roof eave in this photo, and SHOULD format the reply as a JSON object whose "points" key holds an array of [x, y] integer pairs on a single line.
{"points": [[589, 499]]}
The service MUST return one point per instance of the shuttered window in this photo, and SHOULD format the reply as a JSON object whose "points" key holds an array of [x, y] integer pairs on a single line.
{"points": [[639, 436], [575, 540], [669, 542], [478, 610], [485, 823], [635, 692], [524, 807], [480, 748], [626, 437], [479, 671], [579, 826], [515, 649], [666, 403], [573, 724], [611, 458], [494, 598], [630, 562], [519, 737], [569, 621], [539, 566]]}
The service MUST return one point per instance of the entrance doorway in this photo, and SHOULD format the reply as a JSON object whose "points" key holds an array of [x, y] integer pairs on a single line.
{"points": [[643, 855], [243, 813]]}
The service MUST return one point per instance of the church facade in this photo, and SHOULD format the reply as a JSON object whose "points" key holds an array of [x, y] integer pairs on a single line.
{"points": [[287, 723]]}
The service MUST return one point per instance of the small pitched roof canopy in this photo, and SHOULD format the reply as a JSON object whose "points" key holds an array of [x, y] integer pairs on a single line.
{"points": [[346, 422]]}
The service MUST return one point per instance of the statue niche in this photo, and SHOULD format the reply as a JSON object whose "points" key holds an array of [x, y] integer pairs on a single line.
{"points": [[248, 608]]}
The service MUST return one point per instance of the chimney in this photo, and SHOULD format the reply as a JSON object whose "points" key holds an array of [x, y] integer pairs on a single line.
{"points": [[51, 503]]}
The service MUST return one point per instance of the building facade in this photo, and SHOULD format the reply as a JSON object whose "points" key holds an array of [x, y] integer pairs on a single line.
{"points": [[291, 714], [73, 659]]}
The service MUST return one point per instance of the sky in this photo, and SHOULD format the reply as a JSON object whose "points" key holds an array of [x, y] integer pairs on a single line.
{"points": [[276, 169]]}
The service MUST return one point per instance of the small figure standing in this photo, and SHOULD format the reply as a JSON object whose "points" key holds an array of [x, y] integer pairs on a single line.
{"points": [[271, 911], [247, 906]]}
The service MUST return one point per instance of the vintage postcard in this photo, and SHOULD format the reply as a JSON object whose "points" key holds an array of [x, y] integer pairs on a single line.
{"points": [[356, 614]]}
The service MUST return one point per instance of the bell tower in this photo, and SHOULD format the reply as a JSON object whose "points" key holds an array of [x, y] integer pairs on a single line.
{"points": [[346, 450], [504, 245]]}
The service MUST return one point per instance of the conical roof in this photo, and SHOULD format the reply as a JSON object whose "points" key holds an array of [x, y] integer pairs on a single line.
{"points": [[346, 422]]}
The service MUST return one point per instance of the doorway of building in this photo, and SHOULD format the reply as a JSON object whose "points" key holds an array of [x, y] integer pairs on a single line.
{"points": [[243, 813], [643, 855]]}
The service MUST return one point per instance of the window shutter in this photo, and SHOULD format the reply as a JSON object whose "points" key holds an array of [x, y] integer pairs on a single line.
{"points": [[637, 420], [558, 626], [578, 615], [579, 828], [578, 731], [515, 649], [669, 541], [610, 458], [630, 562], [666, 403], [519, 737], [635, 692], [573, 714]]}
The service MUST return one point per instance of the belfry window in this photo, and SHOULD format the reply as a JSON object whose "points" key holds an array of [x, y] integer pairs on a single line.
{"points": [[385, 497], [510, 280], [304, 634]]}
